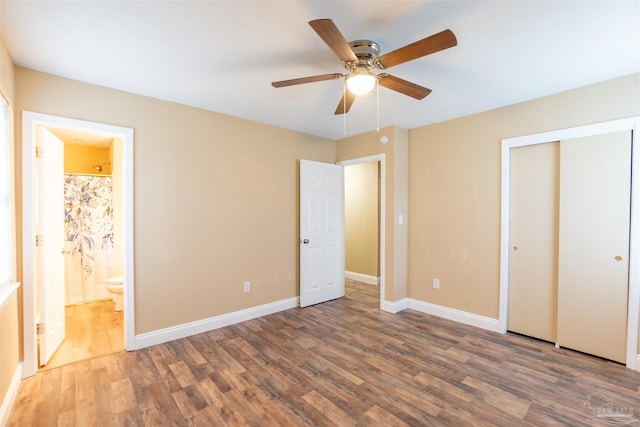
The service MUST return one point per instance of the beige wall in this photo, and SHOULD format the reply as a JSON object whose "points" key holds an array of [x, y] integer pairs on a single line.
{"points": [[454, 189], [395, 150], [361, 218], [81, 159], [9, 321], [9, 342], [401, 210], [215, 199]]}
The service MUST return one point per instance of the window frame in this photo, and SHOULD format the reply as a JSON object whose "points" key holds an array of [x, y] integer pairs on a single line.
{"points": [[7, 263]]}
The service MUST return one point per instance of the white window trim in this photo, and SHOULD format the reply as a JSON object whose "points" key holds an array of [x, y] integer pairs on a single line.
{"points": [[6, 283]]}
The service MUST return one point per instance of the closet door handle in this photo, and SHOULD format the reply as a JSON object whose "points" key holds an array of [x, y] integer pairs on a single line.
{"points": [[618, 258]]}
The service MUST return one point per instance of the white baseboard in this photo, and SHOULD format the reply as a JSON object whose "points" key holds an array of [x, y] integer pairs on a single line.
{"points": [[365, 278], [10, 397], [455, 315], [395, 306], [187, 329]]}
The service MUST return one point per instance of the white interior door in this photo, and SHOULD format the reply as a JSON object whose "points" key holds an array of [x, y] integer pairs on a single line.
{"points": [[593, 272], [321, 232], [49, 202], [533, 234]]}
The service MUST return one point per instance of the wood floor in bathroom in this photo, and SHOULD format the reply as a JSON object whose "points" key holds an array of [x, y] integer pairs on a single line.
{"points": [[92, 329]]}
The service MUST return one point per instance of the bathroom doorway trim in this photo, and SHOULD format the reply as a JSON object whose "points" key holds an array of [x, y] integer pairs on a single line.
{"points": [[30, 122]]}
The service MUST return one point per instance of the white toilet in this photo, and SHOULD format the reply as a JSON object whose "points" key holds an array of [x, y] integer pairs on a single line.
{"points": [[115, 286]]}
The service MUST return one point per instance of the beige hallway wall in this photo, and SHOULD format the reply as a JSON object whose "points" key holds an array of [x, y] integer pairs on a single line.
{"points": [[215, 198], [361, 218], [454, 189]]}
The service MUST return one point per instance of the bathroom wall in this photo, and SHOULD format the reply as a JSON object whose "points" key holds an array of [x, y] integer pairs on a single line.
{"points": [[80, 159]]}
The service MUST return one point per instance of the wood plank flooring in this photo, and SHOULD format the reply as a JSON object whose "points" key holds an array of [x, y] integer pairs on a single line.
{"points": [[92, 329], [341, 363]]}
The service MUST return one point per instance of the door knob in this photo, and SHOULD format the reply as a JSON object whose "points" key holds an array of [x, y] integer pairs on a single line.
{"points": [[618, 258], [305, 241]]}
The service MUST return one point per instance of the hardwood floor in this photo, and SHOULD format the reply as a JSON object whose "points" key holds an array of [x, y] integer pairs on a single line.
{"points": [[92, 329], [340, 363]]}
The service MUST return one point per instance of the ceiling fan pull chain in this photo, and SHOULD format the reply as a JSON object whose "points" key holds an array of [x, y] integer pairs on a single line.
{"points": [[377, 105], [344, 108]]}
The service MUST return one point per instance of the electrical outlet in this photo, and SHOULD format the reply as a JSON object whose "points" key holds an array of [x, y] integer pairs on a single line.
{"points": [[247, 287], [436, 283]]}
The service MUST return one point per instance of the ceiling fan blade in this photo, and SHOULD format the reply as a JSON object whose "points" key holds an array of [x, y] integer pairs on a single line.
{"points": [[345, 102], [328, 32], [435, 43], [311, 79], [403, 86]]}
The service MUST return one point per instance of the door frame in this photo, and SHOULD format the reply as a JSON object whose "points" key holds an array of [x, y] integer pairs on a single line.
{"points": [[30, 122], [381, 254], [633, 311]]}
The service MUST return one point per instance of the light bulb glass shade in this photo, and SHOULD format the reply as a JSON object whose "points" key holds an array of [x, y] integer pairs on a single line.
{"points": [[361, 83]]}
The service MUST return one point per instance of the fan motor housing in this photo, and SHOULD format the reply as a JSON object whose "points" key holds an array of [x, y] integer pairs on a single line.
{"points": [[366, 51]]}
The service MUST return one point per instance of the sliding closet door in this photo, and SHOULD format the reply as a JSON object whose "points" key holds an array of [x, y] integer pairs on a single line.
{"points": [[533, 241], [595, 183]]}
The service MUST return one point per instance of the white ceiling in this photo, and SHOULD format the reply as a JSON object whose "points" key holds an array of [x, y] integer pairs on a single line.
{"points": [[223, 55]]}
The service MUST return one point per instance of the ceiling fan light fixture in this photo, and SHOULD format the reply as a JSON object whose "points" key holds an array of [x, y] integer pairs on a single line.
{"points": [[361, 57], [361, 83]]}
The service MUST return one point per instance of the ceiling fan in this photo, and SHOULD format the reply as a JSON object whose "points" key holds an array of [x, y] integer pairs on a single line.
{"points": [[361, 57]]}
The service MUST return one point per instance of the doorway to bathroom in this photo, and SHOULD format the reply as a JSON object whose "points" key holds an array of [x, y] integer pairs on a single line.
{"points": [[77, 209], [91, 255]]}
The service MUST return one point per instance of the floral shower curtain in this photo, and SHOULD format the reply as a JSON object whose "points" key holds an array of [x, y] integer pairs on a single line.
{"points": [[88, 225]]}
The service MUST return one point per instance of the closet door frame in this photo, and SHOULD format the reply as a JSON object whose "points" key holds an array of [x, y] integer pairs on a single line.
{"points": [[633, 311]]}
